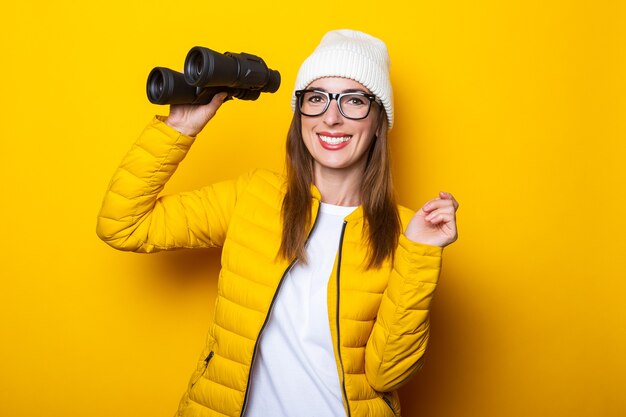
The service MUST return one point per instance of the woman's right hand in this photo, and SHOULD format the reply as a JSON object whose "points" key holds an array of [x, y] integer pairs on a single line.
{"points": [[190, 119]]}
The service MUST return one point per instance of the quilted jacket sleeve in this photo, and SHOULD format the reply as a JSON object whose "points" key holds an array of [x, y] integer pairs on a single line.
{"points": [[134, 218], [398, 340]]}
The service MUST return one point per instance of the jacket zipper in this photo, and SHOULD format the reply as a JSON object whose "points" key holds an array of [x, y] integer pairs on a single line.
{"points": [[269, 312], [388, 401], [343, 375]]}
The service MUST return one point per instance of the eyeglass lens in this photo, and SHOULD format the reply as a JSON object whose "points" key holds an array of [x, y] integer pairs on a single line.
{"points": [[352, 106]]}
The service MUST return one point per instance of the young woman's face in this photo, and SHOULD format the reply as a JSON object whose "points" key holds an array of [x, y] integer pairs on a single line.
{"points": [[334, 141]]}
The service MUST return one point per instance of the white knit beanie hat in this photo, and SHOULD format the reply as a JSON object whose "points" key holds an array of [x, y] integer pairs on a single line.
{"points": [[350, 54]]}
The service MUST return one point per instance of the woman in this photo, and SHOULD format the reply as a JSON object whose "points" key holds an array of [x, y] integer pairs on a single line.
{"points": [[323, 296]]}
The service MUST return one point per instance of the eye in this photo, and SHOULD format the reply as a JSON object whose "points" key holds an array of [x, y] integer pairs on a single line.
{"points": [[313, 97], [354, 100]]}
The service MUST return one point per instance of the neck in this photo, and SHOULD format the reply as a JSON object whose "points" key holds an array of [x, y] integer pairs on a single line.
{"points": [[338, 186]]}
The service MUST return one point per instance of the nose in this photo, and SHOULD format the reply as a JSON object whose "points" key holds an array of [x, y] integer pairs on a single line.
{"points": [[333, 116]]}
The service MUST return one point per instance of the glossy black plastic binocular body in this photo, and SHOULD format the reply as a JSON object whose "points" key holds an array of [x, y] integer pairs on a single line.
{"points": [[206, 73]]}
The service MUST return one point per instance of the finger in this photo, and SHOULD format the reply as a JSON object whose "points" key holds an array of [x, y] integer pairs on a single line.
{"points": [[448, 211], [441, 218], [437, 204], [447, 196], [431, 205], [215, 103], [221, 96]]}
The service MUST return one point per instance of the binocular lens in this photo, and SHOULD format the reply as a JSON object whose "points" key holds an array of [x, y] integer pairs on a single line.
{"points": [[207, 68], [165, 86], [194, 64], [155, 86]]}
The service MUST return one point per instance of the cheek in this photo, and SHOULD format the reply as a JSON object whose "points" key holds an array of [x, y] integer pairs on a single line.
{"points": [[305, 130], [308, 140], [370, 135]]}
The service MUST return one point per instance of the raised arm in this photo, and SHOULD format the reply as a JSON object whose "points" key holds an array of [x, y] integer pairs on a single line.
{"points": [[133, 217]]}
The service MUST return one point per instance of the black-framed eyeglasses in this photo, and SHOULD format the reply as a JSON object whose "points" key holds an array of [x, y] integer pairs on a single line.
{"points": [[352, 105]]}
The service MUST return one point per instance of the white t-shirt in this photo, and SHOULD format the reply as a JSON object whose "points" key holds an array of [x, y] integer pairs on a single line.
{"points": [[294, 371]]}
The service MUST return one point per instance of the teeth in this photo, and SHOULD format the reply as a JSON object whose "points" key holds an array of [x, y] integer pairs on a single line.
{"points": [[334, 140]]}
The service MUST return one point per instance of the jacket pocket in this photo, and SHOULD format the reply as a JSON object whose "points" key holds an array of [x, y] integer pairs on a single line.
{"points": [[202, 370]]}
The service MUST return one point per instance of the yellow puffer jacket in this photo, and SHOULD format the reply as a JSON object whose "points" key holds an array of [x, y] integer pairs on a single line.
{"points": [[378, 318]]}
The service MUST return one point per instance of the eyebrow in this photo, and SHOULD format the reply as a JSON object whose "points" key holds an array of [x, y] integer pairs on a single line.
{"points": [[349, 90]]}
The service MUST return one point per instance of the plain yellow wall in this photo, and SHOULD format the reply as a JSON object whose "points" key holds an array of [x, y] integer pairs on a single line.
{"points": [[518, 108]]}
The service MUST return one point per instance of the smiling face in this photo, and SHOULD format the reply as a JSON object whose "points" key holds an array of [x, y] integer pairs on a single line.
{"points": [[338, 144]]}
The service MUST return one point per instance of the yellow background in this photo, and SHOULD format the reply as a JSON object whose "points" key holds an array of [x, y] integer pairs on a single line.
{"points": [[518, 108]]}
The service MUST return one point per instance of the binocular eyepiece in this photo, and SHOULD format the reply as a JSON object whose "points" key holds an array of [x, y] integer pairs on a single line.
{"points": [[206, 73]]}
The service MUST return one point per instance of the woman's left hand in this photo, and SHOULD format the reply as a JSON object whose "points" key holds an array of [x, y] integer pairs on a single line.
{"points": [[435, 223]]}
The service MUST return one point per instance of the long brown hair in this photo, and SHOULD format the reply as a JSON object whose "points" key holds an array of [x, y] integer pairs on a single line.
{"points": [[382, 221]]}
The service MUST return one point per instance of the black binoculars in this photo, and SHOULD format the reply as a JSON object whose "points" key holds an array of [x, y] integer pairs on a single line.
{"points": [[206, 73]]}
